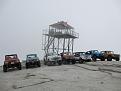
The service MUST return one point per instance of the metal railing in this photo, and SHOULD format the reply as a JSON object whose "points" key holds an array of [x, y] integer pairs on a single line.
{"points": [[60, 32]]}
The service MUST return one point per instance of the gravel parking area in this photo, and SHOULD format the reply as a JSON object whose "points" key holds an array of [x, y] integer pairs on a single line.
{"points": [[92, 76]]}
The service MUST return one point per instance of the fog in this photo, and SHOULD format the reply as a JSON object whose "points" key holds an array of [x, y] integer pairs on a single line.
{"points": [[98, 23]]}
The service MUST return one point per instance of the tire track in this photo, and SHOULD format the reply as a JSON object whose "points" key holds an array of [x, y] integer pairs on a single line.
{"points": [[19, 87], [108, 71], [99, 69], [86, 68]]}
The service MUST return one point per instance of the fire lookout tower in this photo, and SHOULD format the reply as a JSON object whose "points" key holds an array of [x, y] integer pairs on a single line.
{"points": [[59, 38]]}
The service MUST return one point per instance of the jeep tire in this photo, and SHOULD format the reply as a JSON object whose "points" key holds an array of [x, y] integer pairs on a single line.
{"points": [[102, 59], [117, 59], [4, 68], [73, 61], [19, 66], [38, 64], [59, 62], [27, 66], [81, 61], [94, 59]]}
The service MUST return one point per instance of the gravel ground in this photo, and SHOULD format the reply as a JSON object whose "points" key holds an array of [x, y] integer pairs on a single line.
{"points": [[92, 76]]}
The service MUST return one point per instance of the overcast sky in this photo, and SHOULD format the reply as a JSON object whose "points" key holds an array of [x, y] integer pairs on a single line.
{"points": [[21, 22]]}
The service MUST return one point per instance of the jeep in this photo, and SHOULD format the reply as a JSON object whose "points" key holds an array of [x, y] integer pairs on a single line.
{"points": [[52, 59], [79, 56], [68, 58], [109, 55], [32, 60], [11, 61], [95, 54]]}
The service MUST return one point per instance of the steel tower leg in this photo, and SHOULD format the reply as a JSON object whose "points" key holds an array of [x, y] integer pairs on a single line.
{"points": [[68, 44], [72, 44], [63, 45], [58, 46]]}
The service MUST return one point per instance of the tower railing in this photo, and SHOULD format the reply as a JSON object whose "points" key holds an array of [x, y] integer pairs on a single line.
{"points": [[53, 32]]}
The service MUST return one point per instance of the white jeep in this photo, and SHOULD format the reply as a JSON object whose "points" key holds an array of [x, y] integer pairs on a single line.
{"points": [[86, 56], [52, 59]]}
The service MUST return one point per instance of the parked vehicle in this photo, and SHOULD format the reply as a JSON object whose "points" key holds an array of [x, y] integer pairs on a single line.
{"points": [[32, 60], [52, 59], [109, 55], [11, 61], [68, 58], [95, 54], [78, 56], [86, 57]]}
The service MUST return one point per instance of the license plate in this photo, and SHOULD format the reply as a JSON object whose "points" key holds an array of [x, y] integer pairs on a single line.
{"points": [[12, 62]]}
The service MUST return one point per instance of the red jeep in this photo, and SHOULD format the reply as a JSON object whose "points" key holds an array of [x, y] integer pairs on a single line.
{"points": [[68, 57], [11, 61]]}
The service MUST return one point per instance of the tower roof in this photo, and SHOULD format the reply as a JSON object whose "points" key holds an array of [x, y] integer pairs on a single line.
{"points": [[61, 25]]}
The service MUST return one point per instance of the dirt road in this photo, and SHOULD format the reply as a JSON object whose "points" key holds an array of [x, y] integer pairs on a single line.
{"points": [[93, 76]]}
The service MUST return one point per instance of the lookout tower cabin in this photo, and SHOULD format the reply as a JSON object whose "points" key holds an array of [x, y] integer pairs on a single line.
{"points": [[59, 37]]}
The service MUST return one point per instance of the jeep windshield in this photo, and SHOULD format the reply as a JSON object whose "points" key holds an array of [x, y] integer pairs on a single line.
{"points": [[8, 57], [51, 54], [94, 51], [87, 53], [82, 53], [107, 52], [77, 54], [31, 56], [111, 52], [67, 53]]}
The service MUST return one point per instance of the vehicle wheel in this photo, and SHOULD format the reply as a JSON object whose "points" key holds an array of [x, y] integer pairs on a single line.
{"points": [[102, 59], [54, 63], [89, 60], [64, 62], [38, 64], [81, 61], [49, 63], [19, 66], [73, 61], [109, 59], [67, 61], [94, 59], [4, 68], [27, 66], [45, 63], [59, 62], [117, 59]]}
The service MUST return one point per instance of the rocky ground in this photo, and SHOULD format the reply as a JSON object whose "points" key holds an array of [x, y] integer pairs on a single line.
{"points": [[92, 76]]}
